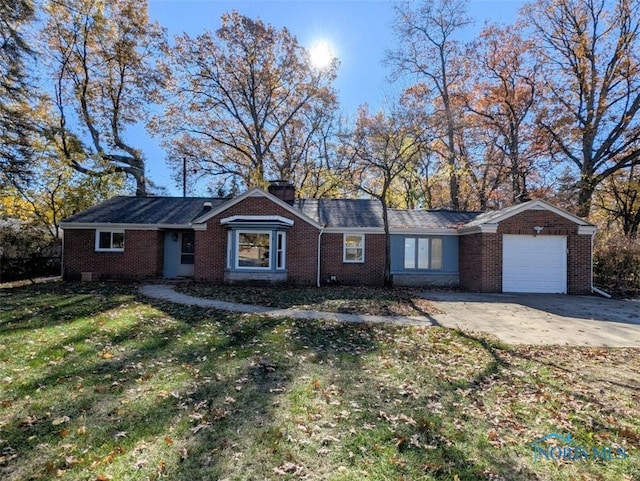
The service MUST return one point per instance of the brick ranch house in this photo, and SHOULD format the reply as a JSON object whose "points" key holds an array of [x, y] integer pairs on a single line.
{"points": [[273, 237]]}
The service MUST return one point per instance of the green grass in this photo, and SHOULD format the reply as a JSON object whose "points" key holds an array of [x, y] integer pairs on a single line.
{"points": [[97, 383]]}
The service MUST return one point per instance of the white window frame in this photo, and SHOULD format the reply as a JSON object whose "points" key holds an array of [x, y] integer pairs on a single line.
{"points": [[345, 249], [427, 244], [237, 249], [229, 248], [281, 250], [111, 248]]}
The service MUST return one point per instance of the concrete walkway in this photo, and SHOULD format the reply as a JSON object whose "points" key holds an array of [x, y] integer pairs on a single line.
{"points": [[514, 319], [167, 293]]}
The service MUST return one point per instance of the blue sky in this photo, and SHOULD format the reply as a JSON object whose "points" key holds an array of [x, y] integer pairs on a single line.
{"points": [[360, 32]]}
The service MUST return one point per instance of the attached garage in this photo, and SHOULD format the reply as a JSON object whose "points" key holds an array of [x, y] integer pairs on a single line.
{"points": [[534, 263], [529, 247]]}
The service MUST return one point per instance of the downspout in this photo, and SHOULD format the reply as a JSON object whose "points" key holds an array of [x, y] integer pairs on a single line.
{"points": [[594, 289], [62, 257], [319, 242]]}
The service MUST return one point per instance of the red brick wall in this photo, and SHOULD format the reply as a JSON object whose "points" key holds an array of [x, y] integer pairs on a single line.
{"points": [[142, 256], [480, 262], [579, 259], [481, 254], [369, 273], [302, 242]]}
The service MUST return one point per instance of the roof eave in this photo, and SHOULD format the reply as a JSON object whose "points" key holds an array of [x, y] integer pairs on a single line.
{"points": [[120, 225], [479, 229]]}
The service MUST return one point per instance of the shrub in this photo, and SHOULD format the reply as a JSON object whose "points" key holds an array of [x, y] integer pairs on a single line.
{"points": [[616, 265], [26, 252]]}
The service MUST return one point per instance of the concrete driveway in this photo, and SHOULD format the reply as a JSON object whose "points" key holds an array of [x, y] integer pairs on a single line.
{"points": [[542, 318]]}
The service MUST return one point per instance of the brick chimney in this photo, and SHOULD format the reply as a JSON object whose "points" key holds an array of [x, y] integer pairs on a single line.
{"points": [[283, 190]]}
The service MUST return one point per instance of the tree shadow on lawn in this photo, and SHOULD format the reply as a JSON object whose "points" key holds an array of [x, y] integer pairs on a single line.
{"points": [[136, 385], [190, 393], [329, 365], [46, 305], [569, 400]]}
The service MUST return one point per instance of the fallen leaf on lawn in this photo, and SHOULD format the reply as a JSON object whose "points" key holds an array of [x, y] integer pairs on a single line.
{"points": [[629, 434], [199, 427], [60, 420], [71, 461], [29, 421], [82, 430], [108, 459], [102, 477], [64, 433], [288, 468], [168, 440]]}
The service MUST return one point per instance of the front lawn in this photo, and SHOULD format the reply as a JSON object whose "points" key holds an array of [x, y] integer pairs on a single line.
{"points": [[343, 299], [99, 384]]}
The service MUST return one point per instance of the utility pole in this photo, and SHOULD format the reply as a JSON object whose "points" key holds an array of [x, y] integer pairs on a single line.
{"points": [[184, 177]]}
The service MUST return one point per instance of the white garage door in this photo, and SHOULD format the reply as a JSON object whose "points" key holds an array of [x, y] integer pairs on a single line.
{"points": [[534, 263]]}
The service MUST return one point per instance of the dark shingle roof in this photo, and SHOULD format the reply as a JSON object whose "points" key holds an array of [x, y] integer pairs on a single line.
{"points": [[146, 210], [429, 219], [340, 213], [368, 213]]}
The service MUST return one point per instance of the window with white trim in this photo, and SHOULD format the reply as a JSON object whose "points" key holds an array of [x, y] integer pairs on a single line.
{"points": [[253, 250], [353, 248], [423, 253], [256, 249], [281, 245], [110, 240]]}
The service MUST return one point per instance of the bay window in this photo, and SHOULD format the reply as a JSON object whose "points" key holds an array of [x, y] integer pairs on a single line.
{"points": [[257, 249]]}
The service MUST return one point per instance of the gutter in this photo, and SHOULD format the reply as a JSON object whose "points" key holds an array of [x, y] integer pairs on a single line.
{"points": [[319, 242], [594, 289], [62, 257]]}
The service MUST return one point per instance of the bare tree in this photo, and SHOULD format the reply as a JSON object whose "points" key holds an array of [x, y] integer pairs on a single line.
{"points": [[247, 101], [619, 196], [383, 147], [591, 53], [501, 96], [102, 61], [429, 51]]}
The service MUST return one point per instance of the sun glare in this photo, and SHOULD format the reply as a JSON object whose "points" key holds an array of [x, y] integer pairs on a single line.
{"points": [[321, 54]]}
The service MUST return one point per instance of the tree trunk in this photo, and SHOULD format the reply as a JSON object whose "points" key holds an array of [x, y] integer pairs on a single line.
{"points": [[585, 193], [387, 278]]}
